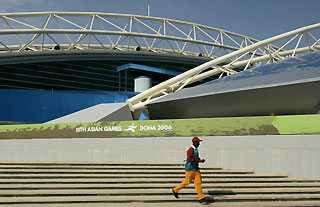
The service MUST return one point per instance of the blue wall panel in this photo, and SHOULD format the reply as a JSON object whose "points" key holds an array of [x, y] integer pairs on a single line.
{"points": [[41, 106]]}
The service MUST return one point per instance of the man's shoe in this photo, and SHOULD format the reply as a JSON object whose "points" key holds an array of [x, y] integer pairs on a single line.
{"points": [[176, 195], [203, 201]]}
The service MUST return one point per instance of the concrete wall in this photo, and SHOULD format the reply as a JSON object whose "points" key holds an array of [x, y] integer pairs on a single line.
{"points": [[295, 155]]}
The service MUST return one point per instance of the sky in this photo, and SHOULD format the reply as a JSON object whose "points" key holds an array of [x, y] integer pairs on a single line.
{"points": [[259, 19]]}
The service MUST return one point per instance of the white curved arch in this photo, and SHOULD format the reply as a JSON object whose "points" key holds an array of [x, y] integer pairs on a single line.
{"points": [[244, 58], [38, 31]]}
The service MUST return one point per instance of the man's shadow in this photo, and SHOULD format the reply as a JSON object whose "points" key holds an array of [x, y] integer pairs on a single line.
{"points": [[217, 193]]}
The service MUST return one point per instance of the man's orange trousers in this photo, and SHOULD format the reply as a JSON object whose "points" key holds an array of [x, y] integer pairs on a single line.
{"points": [[194, 176]]}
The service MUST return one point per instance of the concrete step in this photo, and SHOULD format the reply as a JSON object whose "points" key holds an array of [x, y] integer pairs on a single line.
{"points": [[182, 204], [94, 167], [151, 192], [118, 171], [41, 186], [155, 180], [89, 164], [118, 176], [156, 199]]}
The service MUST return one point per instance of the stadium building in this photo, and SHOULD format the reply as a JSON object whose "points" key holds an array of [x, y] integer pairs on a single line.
{"points": [[53, 64], [56, 63]]}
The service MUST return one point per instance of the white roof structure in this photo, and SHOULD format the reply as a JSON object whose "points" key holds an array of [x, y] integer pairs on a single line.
{"points": [[41, 31]]}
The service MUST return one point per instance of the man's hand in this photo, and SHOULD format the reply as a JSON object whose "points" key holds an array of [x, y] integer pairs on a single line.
{"points": [[203, 160]]}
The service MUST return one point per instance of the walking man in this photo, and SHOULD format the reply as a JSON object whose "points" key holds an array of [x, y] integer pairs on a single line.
{"points": [[192, 171]]}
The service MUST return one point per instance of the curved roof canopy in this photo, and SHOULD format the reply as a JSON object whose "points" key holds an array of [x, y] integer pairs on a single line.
{"points": [[61, 31]]}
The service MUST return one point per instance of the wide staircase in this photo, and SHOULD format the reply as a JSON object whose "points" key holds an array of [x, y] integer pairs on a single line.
{"points": [[145, 184]]}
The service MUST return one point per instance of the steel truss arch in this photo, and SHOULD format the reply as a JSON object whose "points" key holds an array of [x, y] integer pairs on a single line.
{"points": [[43, 31], [302, 40]]}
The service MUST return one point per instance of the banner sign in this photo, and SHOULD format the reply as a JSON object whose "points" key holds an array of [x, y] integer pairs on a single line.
{"points": [[268, 125]]}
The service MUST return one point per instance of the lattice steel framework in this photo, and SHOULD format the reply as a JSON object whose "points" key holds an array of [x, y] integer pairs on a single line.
{"points": [[305, 39], [43, 31]]}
